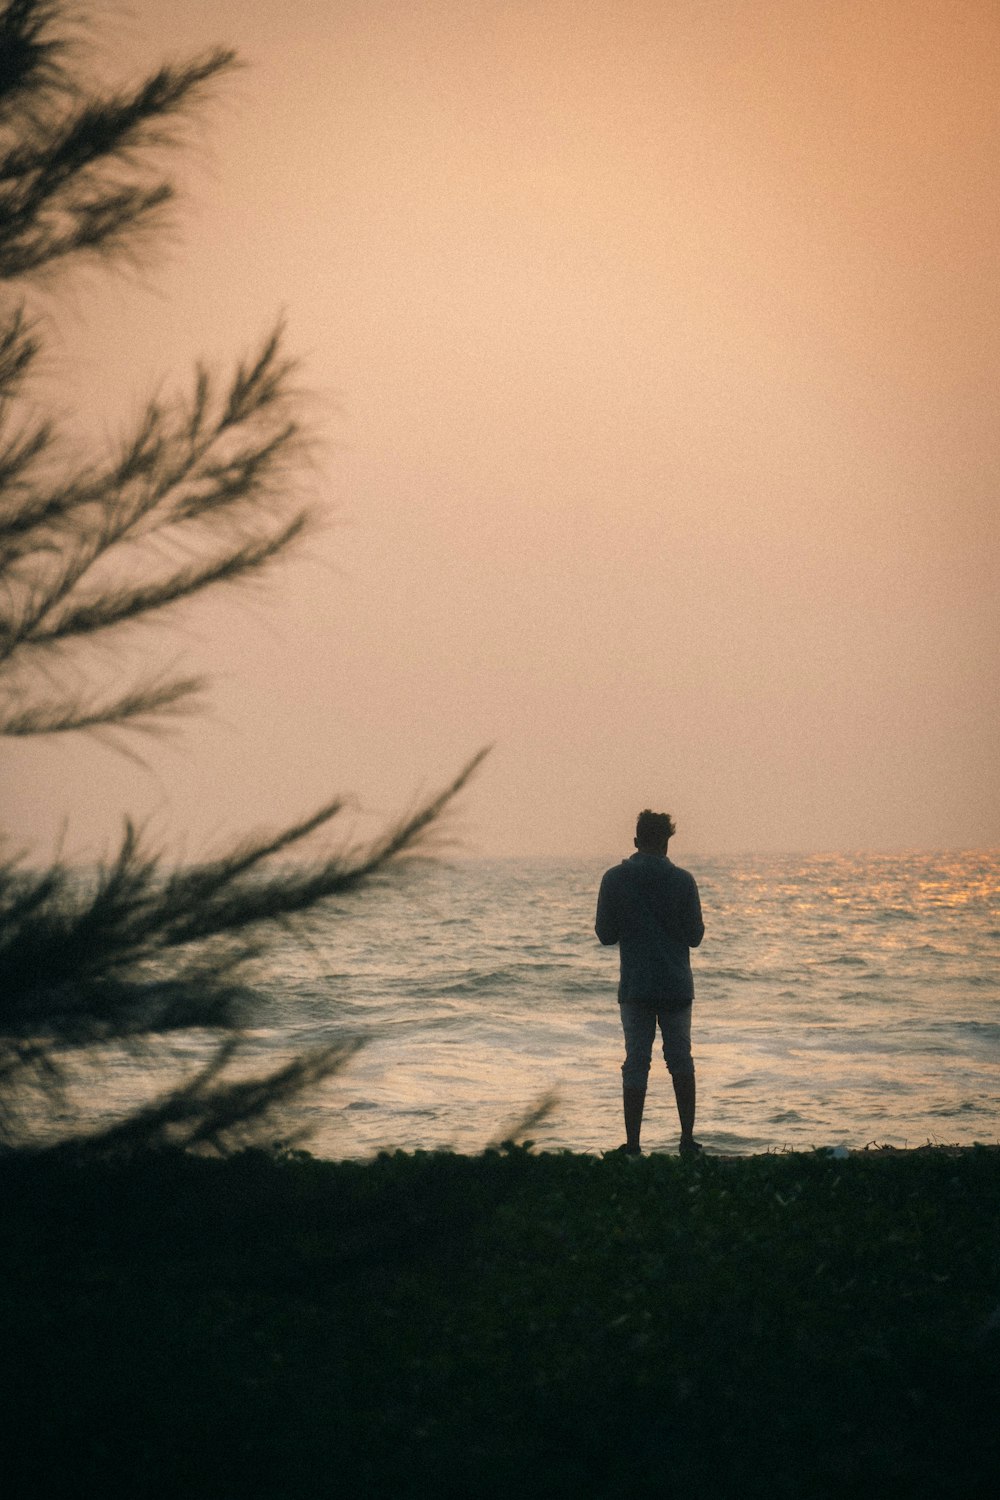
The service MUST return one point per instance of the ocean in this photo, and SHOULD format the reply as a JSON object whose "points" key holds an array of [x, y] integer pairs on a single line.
{"points": [[840, 1000]]}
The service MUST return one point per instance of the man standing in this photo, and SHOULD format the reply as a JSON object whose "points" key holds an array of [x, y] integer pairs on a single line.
{"points": [[651, 909]]}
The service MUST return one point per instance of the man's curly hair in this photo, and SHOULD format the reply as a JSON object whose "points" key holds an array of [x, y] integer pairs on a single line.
{"points": [[654, 829]]}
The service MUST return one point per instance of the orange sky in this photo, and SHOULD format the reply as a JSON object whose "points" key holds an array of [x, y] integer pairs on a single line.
{"points": [[656, 347]]}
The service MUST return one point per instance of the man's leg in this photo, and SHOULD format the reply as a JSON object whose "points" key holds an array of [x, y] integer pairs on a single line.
{"points": [[684, 1093], [639, 1026], [675, 1027], [634, 1101]]}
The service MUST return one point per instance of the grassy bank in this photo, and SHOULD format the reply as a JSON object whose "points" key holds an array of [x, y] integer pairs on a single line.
{"points": [[501, 1325]]}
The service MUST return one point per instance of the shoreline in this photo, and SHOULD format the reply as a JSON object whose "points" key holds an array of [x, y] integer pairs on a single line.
{"points": [[872, 1149]]}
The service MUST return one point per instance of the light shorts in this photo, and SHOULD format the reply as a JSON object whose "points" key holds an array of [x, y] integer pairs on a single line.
{"points": [[639, 1025]]}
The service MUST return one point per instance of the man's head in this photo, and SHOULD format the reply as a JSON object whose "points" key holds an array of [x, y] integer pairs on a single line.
{"points": [[653, 832]]}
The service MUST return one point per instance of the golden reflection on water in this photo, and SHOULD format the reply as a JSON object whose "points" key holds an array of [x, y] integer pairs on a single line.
{"points": [[955, 880], [954, 892]]}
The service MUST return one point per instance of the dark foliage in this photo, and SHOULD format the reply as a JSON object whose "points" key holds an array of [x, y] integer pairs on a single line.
{"points": [[786, 1326], [203, 492]]}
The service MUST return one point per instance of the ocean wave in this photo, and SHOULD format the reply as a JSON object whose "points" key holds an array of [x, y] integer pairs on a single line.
{"points": [[985, 1030], [532, 979]]}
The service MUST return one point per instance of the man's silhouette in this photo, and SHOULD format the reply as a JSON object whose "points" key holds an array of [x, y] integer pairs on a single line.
{"points": [[651, 909]]}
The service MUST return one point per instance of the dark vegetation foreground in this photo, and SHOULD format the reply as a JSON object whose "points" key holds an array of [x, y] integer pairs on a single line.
{"points": [[508, 1324]]}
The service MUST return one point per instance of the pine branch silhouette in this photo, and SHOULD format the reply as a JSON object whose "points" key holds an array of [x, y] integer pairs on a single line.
{"points": [[202, 494]]}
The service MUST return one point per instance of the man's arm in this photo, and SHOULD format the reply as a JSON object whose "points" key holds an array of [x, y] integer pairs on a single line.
{"points": [[694, 927], [607, 925]]}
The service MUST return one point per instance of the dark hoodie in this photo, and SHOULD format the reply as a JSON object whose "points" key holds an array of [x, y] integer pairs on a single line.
{"points": [[650, 907]]}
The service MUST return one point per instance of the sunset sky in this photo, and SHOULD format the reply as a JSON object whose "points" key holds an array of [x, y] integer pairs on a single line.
{"points": [[655, 347]]}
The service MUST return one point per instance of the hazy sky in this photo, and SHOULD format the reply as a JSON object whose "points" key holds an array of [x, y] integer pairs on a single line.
{"points": [[656, 344]]}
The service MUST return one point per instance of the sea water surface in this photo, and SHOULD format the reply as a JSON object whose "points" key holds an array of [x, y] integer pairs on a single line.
{"points": [[842, 999]]}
